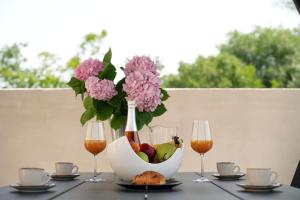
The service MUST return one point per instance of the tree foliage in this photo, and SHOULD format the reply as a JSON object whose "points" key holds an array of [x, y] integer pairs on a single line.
{"points": [[50, 73], [265, 57], [220, 71], [274, 53]]}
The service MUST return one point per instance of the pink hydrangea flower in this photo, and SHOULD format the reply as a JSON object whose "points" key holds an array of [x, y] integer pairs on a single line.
{"points": [[144, 88], [88, 68], [100, 89], [140, 63]]}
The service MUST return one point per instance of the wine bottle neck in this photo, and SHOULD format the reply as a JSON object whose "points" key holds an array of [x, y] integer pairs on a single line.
{"points": [[131, 120]]}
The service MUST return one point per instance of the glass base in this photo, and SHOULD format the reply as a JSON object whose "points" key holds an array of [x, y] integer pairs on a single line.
{"points": [[95, 180], [201, 180]]}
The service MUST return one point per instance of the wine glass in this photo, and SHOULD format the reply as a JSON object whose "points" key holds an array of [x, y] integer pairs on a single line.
{"points": [[159, 134], [201, 142], [95, 143]]}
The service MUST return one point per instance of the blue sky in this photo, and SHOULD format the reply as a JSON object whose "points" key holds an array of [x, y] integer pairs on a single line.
{"points": [[173, 30]]}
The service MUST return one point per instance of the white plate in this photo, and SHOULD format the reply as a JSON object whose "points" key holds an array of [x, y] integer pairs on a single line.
{"points": [[64, 177], [35, 188], [258, 188], [229, 177]]}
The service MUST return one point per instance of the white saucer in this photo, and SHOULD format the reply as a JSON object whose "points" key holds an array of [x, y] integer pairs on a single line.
{"points": [[68, 177], [33, 188], [229, 177], [258, 188]]}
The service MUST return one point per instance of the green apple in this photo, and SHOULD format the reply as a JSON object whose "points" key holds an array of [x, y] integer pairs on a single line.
{"points": [[143, 156], [165, 151]]}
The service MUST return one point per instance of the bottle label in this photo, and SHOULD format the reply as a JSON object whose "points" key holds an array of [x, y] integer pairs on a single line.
{"points": [[131, 129], [131, 121]]}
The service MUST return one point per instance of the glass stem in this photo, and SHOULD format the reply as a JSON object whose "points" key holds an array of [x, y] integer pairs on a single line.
{"points": [[95, 167], [202, 165]]}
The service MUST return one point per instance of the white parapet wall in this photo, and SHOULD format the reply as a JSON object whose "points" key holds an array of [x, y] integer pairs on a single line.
{"points": [[252, 127]]}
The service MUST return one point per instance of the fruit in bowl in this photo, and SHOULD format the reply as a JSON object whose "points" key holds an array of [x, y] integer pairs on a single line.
{"points": [[143, 156], [177, 141], [165, 151], [158, 153], [126, 164], [149, 150]]}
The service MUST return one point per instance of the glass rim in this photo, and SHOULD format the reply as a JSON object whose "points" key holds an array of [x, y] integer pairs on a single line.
{"points": [[200, 120], [63, 163], [253, 168], [95, 121], [225, 162], [165, 127], [31, 168]]}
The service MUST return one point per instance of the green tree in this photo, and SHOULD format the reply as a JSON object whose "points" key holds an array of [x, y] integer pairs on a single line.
{"points": [[273, 51], [50, 73], [265, 57], [89, 47], [221, 71]]}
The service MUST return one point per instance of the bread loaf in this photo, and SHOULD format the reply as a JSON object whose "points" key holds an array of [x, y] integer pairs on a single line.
{"points": [[149, 178]]}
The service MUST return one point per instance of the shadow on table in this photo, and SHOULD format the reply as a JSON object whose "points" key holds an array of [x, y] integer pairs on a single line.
{"points": [[31, 193]]}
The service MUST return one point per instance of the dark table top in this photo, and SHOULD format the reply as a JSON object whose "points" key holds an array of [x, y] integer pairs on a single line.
{"points": [[78, 189], [61, 187], [187, 190], [283, 192]]}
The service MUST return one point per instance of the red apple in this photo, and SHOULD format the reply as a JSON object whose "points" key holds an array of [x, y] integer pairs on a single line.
{"points": [[149, 150]]}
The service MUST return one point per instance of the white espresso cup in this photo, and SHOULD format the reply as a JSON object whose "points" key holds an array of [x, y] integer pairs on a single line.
{"points": [[65, 168], [33, 176], [227, 168], [261, 176]]}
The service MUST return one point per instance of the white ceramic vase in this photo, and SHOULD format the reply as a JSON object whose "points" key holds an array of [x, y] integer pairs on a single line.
{"points": [[126, 163]]}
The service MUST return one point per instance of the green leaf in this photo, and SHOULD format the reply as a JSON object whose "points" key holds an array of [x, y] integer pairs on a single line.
{"points": [[86, 116], [119, 86], [145, 117], [77, 85], [118, 121], [161, 109], [116, 101], [88, 103], [165, 94], [139, 124], [90, 110], [107, 57], [109, 72], [103, 109]]}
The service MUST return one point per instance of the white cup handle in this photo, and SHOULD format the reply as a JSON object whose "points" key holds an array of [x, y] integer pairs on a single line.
{"points": [[76, 169], [275, 177], [238, 169], [46, 178]]}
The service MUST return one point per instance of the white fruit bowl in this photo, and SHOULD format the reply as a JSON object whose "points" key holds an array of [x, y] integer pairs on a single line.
{"points": [[126, 163]]}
